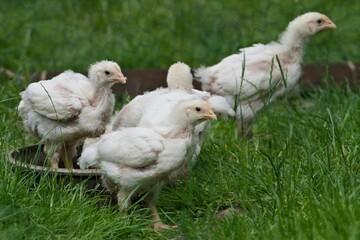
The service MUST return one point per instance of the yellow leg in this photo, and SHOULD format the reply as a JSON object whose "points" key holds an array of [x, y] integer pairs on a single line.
{"points": [[158, 224], [123, 199], [52, 152], [55, 161], [67, 156], [68, 153]]}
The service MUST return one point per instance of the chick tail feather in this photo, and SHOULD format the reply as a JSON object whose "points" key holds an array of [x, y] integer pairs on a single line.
{"points": [[200, 75]]}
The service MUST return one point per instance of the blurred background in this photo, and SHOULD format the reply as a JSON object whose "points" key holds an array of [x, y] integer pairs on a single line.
{"points": [[57, 35]]}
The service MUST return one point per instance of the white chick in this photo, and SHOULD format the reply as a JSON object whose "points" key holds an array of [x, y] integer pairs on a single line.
{"points": [[138, 159], [258, 75], [179, 81], [64, 110]]}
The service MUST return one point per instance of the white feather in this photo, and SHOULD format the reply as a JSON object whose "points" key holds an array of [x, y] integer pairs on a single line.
{"points": [[253, 78]]}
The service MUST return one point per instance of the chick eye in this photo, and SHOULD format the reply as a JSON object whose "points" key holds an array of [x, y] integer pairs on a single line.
{"points": [[319, 21], [198, 109], [107, 72]]}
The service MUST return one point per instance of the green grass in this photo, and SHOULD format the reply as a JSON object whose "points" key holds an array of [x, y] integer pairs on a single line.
{"points": [[57, 35], [298, 178]]}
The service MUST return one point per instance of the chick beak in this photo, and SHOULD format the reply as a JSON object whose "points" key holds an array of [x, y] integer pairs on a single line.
{"points": [[209, 114], [329, 24], [118, 78]]}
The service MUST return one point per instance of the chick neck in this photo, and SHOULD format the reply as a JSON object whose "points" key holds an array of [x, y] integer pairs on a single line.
{"points": [[182, 125], [101, 96], [293, 38]]}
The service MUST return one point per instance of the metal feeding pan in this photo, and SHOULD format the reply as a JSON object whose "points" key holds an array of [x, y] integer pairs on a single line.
{"points": [[32, 158]]}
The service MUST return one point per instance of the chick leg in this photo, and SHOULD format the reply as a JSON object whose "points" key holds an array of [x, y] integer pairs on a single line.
{"points": [[66, 155], [69, 153], [52, 152], [158, 224], [123, 198]]}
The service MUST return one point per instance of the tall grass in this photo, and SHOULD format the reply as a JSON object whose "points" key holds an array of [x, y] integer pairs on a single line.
{"points": [[296, 179]]}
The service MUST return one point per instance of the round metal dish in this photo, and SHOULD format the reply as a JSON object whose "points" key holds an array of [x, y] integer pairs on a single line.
{"points": [[32, 158]]}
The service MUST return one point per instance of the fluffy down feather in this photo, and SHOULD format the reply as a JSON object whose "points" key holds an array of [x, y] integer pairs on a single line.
{"points": [[69, 107], [258, 75]]}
